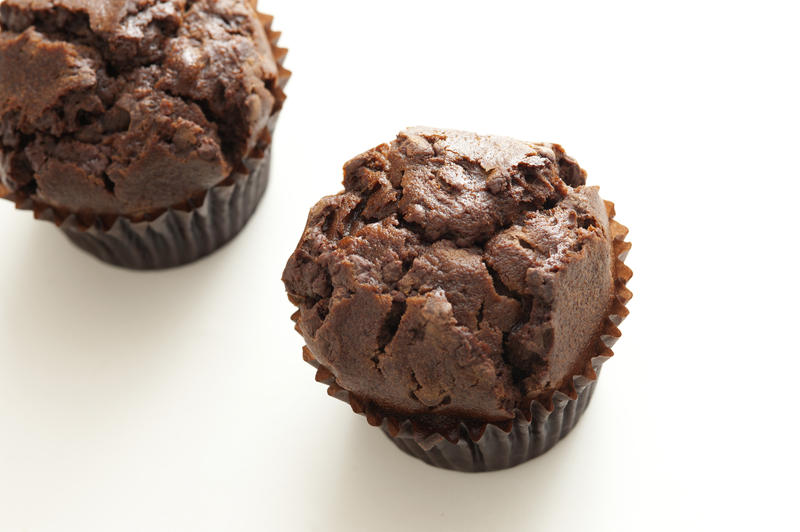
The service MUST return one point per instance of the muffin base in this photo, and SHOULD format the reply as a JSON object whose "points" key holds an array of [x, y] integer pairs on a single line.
{"points": [[496, 449], [473, 446], [176, 237]]}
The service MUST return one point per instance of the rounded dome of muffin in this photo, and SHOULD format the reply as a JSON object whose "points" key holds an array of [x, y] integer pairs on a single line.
{"points": [[456, 274]]}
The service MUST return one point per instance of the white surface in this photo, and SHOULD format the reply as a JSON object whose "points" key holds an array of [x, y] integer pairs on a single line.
{"points": [[179, 401]]}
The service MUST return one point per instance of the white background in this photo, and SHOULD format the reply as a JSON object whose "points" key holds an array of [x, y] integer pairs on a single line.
{"points": [[179, 401]]}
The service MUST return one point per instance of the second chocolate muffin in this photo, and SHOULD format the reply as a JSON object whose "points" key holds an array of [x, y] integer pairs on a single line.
{"points": [[142, 128], [462, 292]]}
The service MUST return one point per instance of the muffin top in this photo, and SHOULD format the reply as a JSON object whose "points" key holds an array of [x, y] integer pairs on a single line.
{"points": [[456, 274], [130, 106]]}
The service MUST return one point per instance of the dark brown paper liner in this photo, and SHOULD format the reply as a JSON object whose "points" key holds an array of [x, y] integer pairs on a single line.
{"points": [[474, 446], [184, 233], [176, 237]]}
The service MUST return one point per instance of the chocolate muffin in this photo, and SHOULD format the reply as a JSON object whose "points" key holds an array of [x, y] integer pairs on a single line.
{"points": [[462, 292], [142, 128]]}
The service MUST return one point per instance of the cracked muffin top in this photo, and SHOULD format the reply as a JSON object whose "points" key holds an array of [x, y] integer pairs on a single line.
{"points": [[456, 275], [130, 106]]}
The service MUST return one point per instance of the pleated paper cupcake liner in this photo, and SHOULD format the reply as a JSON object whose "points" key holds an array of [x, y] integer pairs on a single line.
{"points": [[175, 237], [183, 233], [474, 446]]}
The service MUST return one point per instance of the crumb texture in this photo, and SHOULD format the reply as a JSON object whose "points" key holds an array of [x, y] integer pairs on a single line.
{"points": [[456, 274], [129, 106]]}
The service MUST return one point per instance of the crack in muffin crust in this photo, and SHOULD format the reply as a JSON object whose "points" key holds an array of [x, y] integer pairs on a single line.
{"points": [[456, 274]]}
